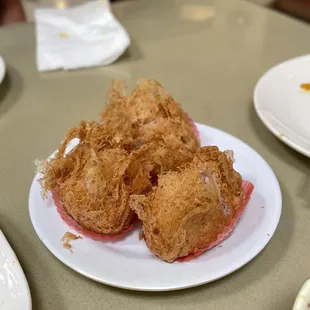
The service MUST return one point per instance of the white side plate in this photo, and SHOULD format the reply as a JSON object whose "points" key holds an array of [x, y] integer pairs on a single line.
{"points": [[129, 264], [283, 106], [302, 301], [2, 69], [14, 289]]}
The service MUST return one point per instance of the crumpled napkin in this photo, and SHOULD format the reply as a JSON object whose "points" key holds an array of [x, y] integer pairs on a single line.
{"points": [[79, 37]]}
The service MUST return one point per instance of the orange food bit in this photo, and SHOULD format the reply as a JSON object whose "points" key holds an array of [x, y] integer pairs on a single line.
{"points": [[305, 86], [67, 238]]}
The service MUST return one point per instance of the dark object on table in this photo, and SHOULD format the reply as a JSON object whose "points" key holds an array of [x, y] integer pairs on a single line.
{"points": [[296, 8], [11, 12]]}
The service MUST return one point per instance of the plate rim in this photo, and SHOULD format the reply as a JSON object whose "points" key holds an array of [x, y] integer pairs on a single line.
{"points": [[289, 142], [10, 253], [2, 64], [170, 287]]}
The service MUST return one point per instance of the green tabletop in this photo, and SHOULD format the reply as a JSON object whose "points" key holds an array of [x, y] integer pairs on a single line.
{"points": [[209, 55]]}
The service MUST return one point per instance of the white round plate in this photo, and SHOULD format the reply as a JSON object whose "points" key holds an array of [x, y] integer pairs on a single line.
{"points": [[2, 69], [129, 264], [283, 106], [302, 300], [14, 289]]}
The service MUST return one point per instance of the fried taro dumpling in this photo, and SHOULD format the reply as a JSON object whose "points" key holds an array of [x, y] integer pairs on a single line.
{"points": [[146, 114], [94, 184], [190, 207]]}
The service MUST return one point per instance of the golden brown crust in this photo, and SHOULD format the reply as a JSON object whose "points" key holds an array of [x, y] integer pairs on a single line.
{"points": [[175, 132], [94, 194], [158, 157], [94, 181], [190, 207], [145, 115], [91, 188]]}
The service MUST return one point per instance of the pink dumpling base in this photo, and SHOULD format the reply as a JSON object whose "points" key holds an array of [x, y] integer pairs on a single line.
{"points": [[83, 231]]}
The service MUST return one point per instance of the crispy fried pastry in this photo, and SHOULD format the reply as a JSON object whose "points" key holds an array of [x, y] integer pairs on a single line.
{"points": [[148, 101], [173, 131], [146, 114], [92, 182], [190, 207], [142, 135], [157, 157]]}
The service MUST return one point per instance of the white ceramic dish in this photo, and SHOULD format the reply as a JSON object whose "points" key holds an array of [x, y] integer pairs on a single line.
{"points": [[283, 106], [14, 289], [129, 264], [302, 301], [2, 69]]}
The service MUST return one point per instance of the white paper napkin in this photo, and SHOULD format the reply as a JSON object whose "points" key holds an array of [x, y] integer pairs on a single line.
{"points": [[84, 36]]}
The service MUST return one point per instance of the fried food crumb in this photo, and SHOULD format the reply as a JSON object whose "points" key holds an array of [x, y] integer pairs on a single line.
{"points": [[67, 238], [39, 163]]}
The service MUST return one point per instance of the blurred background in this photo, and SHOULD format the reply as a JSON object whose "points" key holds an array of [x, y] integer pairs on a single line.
{"points": [[30, 5], [12, 11], [295, 8]]}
